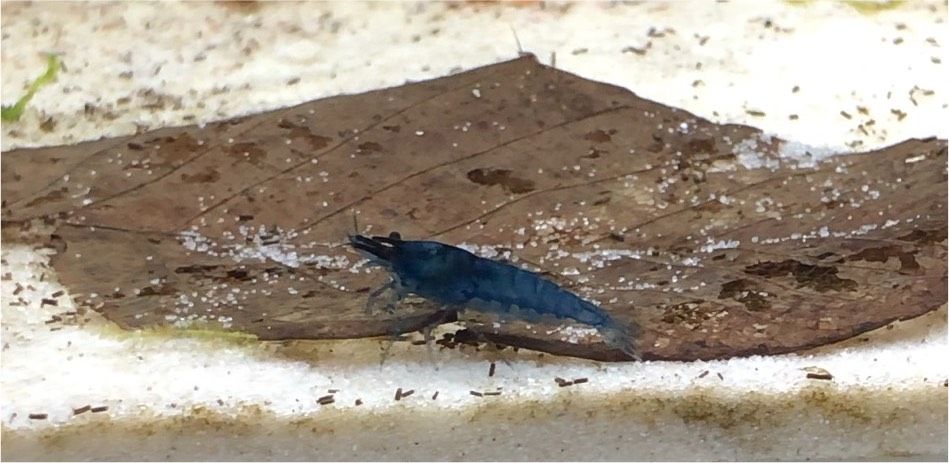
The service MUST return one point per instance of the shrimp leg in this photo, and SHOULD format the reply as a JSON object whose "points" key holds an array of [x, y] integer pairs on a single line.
{"points": [[385, 298]]}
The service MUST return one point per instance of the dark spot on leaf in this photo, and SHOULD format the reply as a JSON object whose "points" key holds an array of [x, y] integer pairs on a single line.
{"points": [[907, 260], [370, 147], [246, 152], [501, 177], [208, 175], [701, 145], [239, 274], [196, 268], [598, 136], [816, 277], [594, 154], [299, 132], [657, 145], [161, 290], [926, 236], [690, 315], [54, 195], [747, 293], [174, 151], [602, 200]]}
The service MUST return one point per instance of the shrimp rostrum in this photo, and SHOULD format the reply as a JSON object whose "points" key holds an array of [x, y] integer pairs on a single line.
{"points": [[455, 278]]}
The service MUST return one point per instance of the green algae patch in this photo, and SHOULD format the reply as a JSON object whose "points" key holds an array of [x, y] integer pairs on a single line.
{"points": [[874, 7], [862, 6], [13, 113], [203, 333]]}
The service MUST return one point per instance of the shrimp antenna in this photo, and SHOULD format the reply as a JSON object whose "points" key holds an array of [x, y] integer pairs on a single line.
{"points": [[520, 51]]}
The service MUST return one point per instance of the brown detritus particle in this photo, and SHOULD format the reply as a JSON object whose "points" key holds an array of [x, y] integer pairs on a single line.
{"points": [[358, 402], [720, 376], [793, 117], [407, 393], [755, 112], [900, 115], [638, 51], [696, 83], [7, 276], [38, 416], [562, 382], [580, 380], [476, 393], [863, 110], [935, 59], [492, 393], [48, 124], [795, 89], [18, 289], [398, 394], [58, 293], [656, 33], [326, 400], [54, 319], [491, 370], [102, 408], [332, 391], [703, 374], [293, 81], [435, 395], [81, 410], [579, 51], [845, 114], [818, 373], [897, 40]]}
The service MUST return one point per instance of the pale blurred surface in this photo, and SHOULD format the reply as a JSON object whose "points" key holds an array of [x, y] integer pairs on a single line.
{"points": [[134, 67]]}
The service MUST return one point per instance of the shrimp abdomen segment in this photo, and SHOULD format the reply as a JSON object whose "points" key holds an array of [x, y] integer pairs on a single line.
{"points": [[510, 288]]}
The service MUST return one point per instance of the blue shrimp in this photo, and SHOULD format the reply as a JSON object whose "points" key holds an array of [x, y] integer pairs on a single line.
{"points": [[453, 277]]}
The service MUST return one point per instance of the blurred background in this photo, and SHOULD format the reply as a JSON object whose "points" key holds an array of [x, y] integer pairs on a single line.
{"points": [[850, 76]]}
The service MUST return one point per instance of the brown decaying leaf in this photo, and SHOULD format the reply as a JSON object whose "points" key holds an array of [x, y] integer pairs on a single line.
{"points": [[643, 208]]}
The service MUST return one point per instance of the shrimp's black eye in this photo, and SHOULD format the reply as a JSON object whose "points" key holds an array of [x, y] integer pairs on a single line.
{"points": [[395, 236]]}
